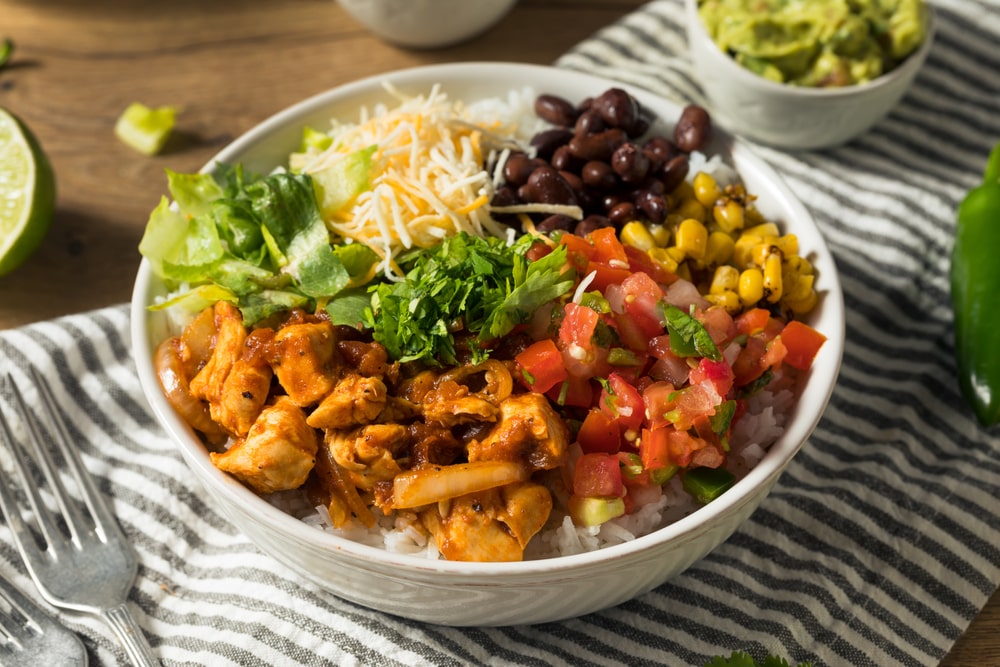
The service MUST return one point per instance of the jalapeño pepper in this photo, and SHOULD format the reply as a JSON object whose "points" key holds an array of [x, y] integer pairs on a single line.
{"points": [[975, 294]]}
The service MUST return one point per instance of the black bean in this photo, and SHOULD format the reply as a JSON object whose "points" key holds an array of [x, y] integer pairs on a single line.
{"points": [[517, 169], [555, 110], [630, 163], [557, 222], [674, 172], [653, 206], [546, 186], [617, 109], [621, 213], [597, 146], [600, 175], [589, 122], [505, 196], [659, 150], [564, 160], [693, 129], [547, 141], [591, 223]]}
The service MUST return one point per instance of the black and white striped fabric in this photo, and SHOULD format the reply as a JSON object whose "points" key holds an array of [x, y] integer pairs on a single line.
{"points": [[877, 547]]}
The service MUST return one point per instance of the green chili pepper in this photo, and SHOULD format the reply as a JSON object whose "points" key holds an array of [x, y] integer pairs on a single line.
{"points": [[975, 294]]}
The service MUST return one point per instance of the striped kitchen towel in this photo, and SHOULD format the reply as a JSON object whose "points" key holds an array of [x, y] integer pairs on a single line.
{"points": [[877, 547]]}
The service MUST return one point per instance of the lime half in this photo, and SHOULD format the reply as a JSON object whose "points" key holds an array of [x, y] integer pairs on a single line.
{"points": [[27, 193]]}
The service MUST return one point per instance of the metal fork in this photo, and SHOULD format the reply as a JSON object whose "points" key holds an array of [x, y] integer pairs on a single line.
{"points": [[79, 559], [29, 636]]}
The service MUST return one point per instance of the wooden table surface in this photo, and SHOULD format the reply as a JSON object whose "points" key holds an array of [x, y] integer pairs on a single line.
{"points": [[228, 65]]}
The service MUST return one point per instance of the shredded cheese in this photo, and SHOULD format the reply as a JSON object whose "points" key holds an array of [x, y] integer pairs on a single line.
{"points": [[429, 176]]}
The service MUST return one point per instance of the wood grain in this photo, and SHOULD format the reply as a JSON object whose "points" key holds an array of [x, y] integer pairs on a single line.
{"points": [[228, 65]]}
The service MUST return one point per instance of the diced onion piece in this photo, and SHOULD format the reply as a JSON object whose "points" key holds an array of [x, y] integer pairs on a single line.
{"points": [[424, 486]]}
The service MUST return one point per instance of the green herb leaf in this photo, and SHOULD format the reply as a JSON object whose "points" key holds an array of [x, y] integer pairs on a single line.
{"points": [[688, 337]]}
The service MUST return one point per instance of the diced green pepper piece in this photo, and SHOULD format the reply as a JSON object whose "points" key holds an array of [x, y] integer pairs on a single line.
{"points": [[707, 484]]}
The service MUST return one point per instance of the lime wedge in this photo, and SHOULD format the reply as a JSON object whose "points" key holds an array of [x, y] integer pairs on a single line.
{"points": [[27, 193], [145, 129]]}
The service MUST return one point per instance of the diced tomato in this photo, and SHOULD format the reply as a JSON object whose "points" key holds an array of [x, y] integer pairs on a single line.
{"points": [[605, 276], [775, 353], [598, 475], [581, 356], [671, 446], [719, 373], [643, 299], [654, 448], [709, 456], [541, 365], [579, 252], [718, 323], [657, 400], [749, 364], [599, 433], [608, 250], [623, 403], [577, 392], [803, 344], [640, 261], [752, 321], [692, 403]]}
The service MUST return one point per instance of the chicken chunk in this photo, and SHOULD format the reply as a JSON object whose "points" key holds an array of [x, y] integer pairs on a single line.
{"points": [[246, 388], [304, 361], [226, 349], [529, 430], [494, 525], [450, 403], [368, 453], [355, 400], [278, 452]]}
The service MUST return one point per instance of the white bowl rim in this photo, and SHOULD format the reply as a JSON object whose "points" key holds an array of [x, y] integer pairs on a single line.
{"points": [[773, 463], [913, 61]]}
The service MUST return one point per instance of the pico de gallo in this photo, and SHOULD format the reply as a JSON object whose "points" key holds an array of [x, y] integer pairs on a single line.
{"points": [[652, 375]]}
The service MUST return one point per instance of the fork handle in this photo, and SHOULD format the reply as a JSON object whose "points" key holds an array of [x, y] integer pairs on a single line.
{"points": [[130, 635]]}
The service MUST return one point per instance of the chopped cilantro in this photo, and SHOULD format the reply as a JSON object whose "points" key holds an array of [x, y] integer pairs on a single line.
{"points": [[688, 336], [482, 286]]}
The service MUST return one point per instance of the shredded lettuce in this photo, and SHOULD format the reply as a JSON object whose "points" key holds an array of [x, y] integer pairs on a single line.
{"points": [[260, 240]]}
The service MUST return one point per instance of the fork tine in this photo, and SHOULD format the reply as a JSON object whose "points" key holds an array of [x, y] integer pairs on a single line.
{"points": [[23, 536], [100, 513], [46, 521]]}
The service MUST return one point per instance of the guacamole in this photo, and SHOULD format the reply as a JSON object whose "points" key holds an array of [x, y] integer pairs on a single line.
{"points": [[816, 42]]}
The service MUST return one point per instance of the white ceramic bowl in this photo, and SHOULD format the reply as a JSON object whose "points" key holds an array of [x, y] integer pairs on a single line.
{"points": [[793, 117], [458, 593], [427, 23]]}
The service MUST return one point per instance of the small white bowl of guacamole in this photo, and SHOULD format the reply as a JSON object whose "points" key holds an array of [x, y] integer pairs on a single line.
{"points": [[806, 75]]}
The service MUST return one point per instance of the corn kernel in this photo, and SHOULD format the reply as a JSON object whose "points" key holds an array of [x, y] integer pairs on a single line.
{"points": [[772, 277], [677, 254], [788, 244], [799, 264], [754, 217], [683, 191], [763, 229], [706, 190], [719, 249], [664, 258], [804, 305], [743, 249], [660, 234], [693, 209], [797, 286], [762, 251], [728, 214], [692, 238], [636, 235], [751, 287], [729, 300], [725, 279], [684, 272]]}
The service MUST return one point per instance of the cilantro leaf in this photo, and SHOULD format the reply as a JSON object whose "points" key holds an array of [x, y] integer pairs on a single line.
{"points": [[688, 336]]}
